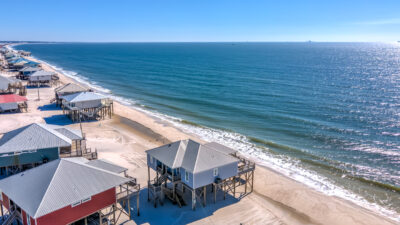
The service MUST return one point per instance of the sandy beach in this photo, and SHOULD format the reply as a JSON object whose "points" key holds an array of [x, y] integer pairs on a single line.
{"points": [[123, 140]]}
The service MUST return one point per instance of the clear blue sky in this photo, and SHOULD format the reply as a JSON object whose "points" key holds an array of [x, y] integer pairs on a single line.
{"points": [[199, 20]]}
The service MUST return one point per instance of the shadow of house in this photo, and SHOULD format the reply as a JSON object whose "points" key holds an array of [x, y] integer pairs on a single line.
{"points": [[168, 213], [49, 107]]}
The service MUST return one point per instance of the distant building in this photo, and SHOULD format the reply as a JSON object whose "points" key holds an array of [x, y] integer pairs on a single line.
{"points": [[10, 85], [68, 89], [66, 191], [87, 106], [25, 72], [194, 166], [35, 144], [41, 77], [13, 103]]}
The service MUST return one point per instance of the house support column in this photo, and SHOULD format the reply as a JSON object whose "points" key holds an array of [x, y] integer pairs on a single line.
{"points": [[148, 183], [193, 199], [204, 195], [252, 180], [215, 192], [137, 202], [234, 187], [85, 220], [114, 208], [2, 213], [100, 218]]}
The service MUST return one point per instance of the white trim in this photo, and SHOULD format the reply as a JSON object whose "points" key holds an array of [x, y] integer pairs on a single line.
{"points": [[186, 176], [86, 199], [215, 172], [28, 218], [75, 204]]}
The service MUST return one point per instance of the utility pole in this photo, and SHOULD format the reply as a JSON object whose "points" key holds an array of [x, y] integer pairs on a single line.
{"points": [[38, 92]]}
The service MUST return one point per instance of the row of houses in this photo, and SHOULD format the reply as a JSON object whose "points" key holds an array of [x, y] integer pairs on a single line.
{"points": [[49, 176], [52, 178]]}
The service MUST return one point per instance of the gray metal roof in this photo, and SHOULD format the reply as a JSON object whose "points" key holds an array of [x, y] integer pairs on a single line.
{"points": [[29, 69], [83, 97], [36, 136], [191, 156], [70, 88], [42, 73], [221, 148], [70, 133], [57, 184], [107, 165], [5, 81]]}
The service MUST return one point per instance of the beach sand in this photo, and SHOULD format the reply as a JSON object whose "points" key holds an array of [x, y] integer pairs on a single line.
{"points": [[123, 140]]}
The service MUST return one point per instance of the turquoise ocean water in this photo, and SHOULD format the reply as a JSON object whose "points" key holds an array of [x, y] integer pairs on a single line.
{"points": [[325, 114]]}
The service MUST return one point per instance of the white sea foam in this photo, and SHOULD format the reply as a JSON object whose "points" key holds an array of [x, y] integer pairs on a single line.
{"points": [[284, 165]]}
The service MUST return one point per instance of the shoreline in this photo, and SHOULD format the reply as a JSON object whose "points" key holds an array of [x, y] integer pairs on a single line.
{"points": [[283, 194]]}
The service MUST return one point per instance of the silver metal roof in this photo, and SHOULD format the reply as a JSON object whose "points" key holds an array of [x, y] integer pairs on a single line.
{"points": [[5, 81], [42, 73], [70, 133], [190, 155], [37, 136], [221, 148], [70, 88], [107, 165], [29, 69], [83, 97], [57, 184]]}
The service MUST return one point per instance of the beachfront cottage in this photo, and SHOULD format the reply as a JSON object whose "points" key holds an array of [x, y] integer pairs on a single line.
{"points": [[9, 85], [68, 89], [34, 144], [67, 191], [25, 72], [86, 106], [13, 103], [194, 166], [41, 77]]}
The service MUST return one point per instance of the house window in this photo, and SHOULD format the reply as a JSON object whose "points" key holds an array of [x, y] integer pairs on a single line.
{"points": [[151, 159], [215, 172], [186, 176], [28, 219], [76, 204], [86, 199]]}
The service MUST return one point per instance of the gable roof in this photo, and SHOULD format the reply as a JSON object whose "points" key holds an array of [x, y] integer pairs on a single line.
{"points": [[83, 96], [5, 81], [9, 98], [57, 184], [29, 69], [70, 88], [42, 73], [107, 165], [221, 148], [190, 155], [35, 136]]}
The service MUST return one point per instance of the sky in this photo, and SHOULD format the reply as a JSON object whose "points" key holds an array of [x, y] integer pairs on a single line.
{"points": [[199, 20]]}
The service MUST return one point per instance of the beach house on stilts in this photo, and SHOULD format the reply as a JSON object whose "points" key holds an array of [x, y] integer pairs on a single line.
{"points": [[68, 192], [87, 106], [35, 144], [42, 77], [13, 103], [67, 89], [10, 85], [188, 165]]}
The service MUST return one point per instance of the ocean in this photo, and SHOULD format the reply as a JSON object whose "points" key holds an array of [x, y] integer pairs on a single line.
{"points": [[325, 114]]}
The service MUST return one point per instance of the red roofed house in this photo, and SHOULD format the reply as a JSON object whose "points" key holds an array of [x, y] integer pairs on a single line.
{"points": [[12, 102], [65, 191]]}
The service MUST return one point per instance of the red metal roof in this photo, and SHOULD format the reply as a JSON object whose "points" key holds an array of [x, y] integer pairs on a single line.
{"points": [[11, 98]]}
